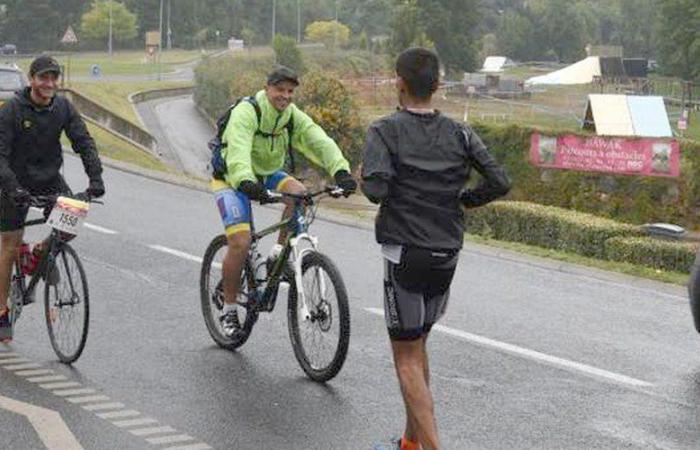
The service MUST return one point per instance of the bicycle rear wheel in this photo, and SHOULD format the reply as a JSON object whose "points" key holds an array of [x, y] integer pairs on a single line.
{"points": [[67, 304], [212, 297], [320, 339]]}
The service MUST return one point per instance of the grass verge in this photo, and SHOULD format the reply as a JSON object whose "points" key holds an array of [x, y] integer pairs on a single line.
{"points": [[115, 95], [120, 63], [611, 266], [112, 147]]}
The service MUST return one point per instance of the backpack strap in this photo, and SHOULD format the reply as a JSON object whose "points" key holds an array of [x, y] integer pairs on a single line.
{"points": [[290, 128]]}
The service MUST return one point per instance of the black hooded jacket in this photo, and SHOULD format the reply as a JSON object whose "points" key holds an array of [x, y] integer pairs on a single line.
{"points": [[416, 167], [31, 155]]}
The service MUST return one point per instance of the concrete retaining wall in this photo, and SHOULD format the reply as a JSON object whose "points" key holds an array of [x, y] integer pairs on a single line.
{"points": [[144, 96], [110, 121]]}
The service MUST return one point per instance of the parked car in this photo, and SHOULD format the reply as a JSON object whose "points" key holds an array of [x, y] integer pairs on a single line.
{"points": [[8, 49], [11, 79]]}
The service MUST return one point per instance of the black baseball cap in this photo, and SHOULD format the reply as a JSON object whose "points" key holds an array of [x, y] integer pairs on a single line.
{"points": [[281, 74], [44, 64]]}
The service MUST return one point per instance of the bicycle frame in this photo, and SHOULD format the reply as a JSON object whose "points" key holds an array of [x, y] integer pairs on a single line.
{"points": [[298, 228], [53, 242]]}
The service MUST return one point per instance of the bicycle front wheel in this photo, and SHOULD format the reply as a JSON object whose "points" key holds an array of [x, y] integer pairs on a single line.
{"points": [[212, 297], [67, 304], [320, 334]]}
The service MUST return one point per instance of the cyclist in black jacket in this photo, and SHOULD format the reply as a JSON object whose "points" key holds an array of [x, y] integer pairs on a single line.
{"points": [[31, 157], [416, 165]]}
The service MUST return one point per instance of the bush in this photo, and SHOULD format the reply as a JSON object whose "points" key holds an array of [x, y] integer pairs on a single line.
{"points": [[330, 33], [288, 53], [219, 81], [547, 226], [331, 106], [658, 254]]}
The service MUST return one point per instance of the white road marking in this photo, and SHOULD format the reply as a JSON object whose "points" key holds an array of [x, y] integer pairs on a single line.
{"points": [[49, 425], [170, 439], [134, 422], [31, 373], [88, 399], [152, 431], [119, 414], [100, 405], [47, 378], [104, 406], [23, 366], [534, 355], [99, 229], [13, 361], [60, 385], [177, 253], [200, 446], [72, 392]]}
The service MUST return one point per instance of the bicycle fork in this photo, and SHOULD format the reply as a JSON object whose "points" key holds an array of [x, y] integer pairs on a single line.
{"points": [[299, 255]]}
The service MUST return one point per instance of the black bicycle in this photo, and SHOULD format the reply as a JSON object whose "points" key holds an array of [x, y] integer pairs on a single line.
{"points": [[318, 316], [66, 298]]}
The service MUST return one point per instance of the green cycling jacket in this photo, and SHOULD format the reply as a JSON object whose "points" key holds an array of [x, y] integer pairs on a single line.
{"points": [[248, 154]]}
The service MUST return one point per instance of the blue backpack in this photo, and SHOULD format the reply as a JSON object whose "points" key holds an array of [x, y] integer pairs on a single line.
{"points": [[216, 145]]}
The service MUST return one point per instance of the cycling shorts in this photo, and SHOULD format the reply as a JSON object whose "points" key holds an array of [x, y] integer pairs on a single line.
{"points": [[12, 218], [234, 206], [416, 290]]}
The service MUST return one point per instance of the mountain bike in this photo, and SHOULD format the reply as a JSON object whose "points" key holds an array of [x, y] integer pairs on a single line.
{"points": [[318, 316], [66, 298]]}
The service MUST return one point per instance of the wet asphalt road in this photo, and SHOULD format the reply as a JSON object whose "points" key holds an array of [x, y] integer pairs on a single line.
{"points": [[533, 354]]}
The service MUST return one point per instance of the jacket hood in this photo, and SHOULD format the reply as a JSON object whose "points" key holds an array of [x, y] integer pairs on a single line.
{"points": [[24, 98]]}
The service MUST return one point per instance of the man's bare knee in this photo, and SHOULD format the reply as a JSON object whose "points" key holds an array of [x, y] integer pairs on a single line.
{"points": [[293, 187], [239, 243], [10, 242]]}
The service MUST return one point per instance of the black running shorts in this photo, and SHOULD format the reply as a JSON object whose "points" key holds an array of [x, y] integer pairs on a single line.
{"points": [[416, 290]]}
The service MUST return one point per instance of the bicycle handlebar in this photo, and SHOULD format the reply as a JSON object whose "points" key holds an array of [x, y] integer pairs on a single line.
{"points": [[331, 190], [44, 201]]}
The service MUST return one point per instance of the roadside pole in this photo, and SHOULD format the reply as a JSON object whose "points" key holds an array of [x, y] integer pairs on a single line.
{"points": [[69, 38]]}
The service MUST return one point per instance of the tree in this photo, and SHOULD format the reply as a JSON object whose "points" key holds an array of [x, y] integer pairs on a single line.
{"points": [[95, 23], [33, 26], [330, 33], [679, 38], [407, 29], [287, 53], [516, 38], [635, 34]]}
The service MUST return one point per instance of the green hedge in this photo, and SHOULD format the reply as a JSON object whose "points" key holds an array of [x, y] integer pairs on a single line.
{"points": [[658, 254], [580, 233], [549, 227]]}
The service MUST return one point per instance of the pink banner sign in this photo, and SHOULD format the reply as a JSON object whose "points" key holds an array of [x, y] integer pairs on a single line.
{"points": [[647, 156]]}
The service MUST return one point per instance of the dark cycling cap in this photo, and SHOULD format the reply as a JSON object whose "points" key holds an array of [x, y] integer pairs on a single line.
{"points": [[44, 64], [281, 74]]}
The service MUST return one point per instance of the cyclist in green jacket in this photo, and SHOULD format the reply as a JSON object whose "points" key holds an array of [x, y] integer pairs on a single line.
{"points": [[254, 153]]}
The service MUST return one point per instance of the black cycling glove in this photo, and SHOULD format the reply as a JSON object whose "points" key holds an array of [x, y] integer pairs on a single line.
{"points": [[345, 181], [254, 191], [96, 188], [20, 197]]}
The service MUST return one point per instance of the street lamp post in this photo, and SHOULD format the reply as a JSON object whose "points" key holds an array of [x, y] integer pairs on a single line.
{"points": [[110, 28], [274, 17], [298, 22], [160, 38], [170, 31]]}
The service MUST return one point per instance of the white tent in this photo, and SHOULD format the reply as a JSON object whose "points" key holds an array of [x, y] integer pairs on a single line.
{"points": [[496, 64], [627, 115], [581, 72]]}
